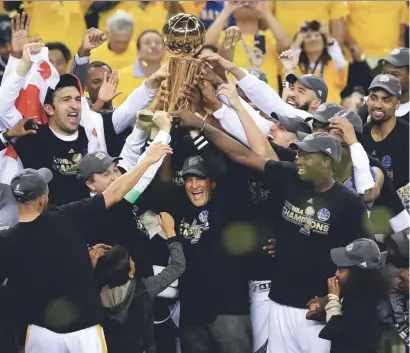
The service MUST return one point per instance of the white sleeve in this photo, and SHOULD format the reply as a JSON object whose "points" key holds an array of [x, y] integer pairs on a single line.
{"points": [[11, 66], [9, 91], [145, 180], [337, 56], [232, 124], [267, 99], [363, 178], [124, 115], [132, 148]]}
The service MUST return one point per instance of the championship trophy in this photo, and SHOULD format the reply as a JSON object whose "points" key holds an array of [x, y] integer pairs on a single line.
{"points": [[184, 37]]}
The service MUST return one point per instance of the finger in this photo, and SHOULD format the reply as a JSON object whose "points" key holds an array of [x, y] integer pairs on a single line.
{"points": [[35, 40], [117, 94], [105, 77], [18, 22], [23, 21], [228, 78]]}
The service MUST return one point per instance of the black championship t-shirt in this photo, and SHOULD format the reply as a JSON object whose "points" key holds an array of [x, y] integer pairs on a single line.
{"points": [[51, 281], [46, 150], [392, 152], [308, 225]]}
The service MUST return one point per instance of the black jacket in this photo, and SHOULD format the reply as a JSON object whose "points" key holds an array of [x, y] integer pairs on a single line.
{"points": [[358, 330]]}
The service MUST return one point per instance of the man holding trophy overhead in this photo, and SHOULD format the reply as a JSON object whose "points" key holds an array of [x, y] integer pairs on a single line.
{"points": [[206, 326]]}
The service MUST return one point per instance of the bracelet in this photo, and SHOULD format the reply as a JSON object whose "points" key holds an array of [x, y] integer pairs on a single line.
{"points": [[3, 138], [333, 297], [203, 127]]}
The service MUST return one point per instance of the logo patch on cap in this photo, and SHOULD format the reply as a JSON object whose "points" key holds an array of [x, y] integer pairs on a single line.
{"points": [[100, 155], [349, 247], [320, 92], [193, 161], [329, 150], [309, 137], [363, 264], [395, 52], [384, 78], [321, 108]]}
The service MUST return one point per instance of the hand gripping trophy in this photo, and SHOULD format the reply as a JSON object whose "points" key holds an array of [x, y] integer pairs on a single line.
{"points": [[184, 37]]}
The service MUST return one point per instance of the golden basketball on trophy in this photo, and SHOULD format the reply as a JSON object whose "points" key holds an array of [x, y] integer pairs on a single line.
{"points": [[184, 37]]}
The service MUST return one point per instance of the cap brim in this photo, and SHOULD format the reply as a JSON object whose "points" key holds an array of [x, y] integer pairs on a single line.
{"points": [[107, 163], [301, 135], [384, 87], [45, 174], [318, 117], [392, 61], [303, 146], [194, 172], [340, 259]]}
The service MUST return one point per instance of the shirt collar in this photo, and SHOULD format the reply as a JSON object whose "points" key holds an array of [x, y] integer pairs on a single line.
{"points": [[138, 71]]}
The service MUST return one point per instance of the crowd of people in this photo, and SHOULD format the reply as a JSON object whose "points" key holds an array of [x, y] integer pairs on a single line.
{"points": [[272, 217]]}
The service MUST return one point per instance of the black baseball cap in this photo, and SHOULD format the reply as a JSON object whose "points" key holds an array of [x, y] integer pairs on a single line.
{"points": [[363, 253], [320, 142], [354, 119], [292, 124], [313, 82], [399, 57], [66, 80], [195, 166], [30, 184], [388, 83], [402, 240], [96, 162], [326, 111]]}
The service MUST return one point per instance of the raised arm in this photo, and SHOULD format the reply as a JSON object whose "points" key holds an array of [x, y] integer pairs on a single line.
{"points": [[257, 140], [233, 149], [120, 187]]}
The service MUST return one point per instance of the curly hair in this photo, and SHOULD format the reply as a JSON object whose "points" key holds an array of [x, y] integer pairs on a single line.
{"points": [[371, 285]]}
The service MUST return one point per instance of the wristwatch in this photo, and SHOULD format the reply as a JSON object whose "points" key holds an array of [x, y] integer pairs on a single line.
{"points": [[3, 137]]}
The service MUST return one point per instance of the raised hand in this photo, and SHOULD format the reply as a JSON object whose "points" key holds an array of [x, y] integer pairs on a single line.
{"points": [[98, 251], [290, 59], [162, 120], [210, 101], [208, 74], [167, 224], [216, 59], [156, 151], [333, 286], [163, 103], [108, 90], [19, 34], [142, 122], [192, 94], [155, 80], [232, 36], [24, 127], [189, 119], [346, 128], [93, 39], [229, 91]]}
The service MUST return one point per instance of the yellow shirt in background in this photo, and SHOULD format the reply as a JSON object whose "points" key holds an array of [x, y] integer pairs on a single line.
{"points": [[115, 61], [336, 81], [375, 25], [58, 21], [270, 64], [130, 78], [292, 14]]}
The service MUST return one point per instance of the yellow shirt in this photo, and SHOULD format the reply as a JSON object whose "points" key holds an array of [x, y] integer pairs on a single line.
{"points": [[292, 14], [336, 81], [270, 64], [130, 78], [58, 21], [115, 61], [375, 26]]}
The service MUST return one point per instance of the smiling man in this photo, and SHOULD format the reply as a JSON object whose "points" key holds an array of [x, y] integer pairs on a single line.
{"points": [[386, 137], [312, 213]]}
